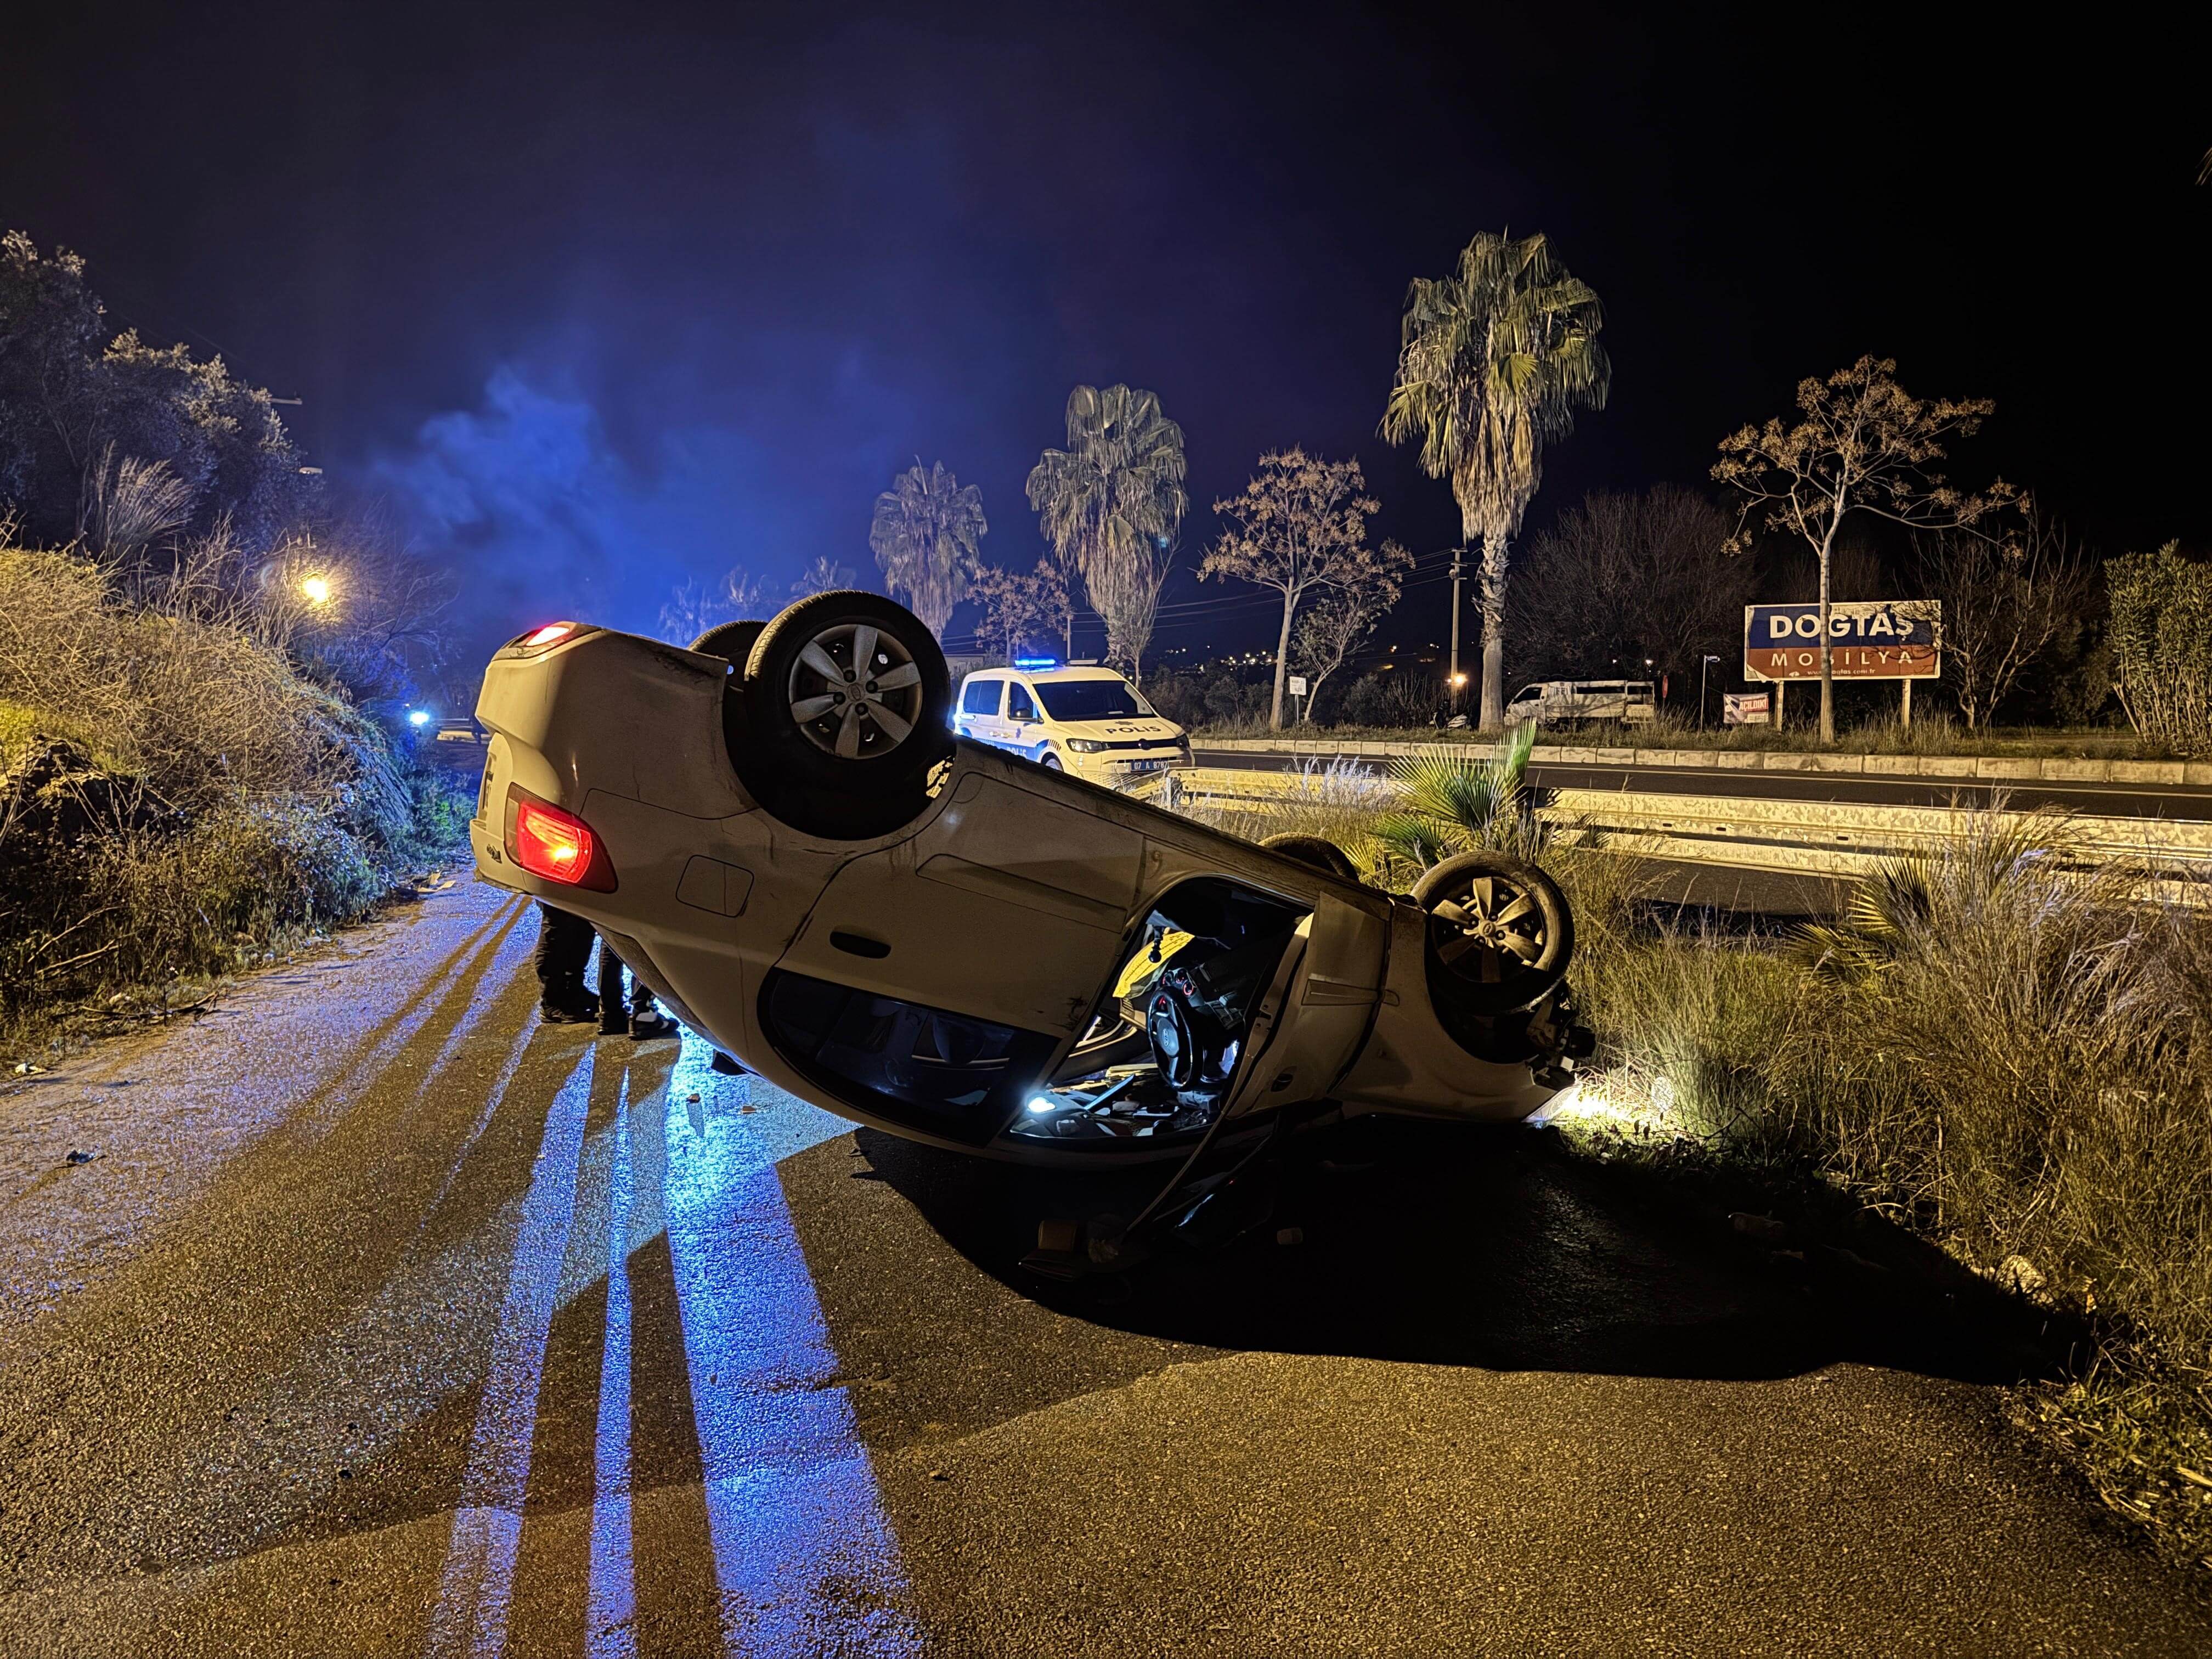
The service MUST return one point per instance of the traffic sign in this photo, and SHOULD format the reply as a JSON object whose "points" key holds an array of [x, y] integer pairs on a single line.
{"points": [[1867, 639]]}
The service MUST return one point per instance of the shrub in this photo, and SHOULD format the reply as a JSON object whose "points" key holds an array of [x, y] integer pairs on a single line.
{"points": [[2161, 637], [174, 795]]}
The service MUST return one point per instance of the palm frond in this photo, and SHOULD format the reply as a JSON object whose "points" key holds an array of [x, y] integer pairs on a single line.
{"points": [[1408, 839]]}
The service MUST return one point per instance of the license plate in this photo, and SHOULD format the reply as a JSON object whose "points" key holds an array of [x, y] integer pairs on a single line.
{"points": [[1145, 766]]}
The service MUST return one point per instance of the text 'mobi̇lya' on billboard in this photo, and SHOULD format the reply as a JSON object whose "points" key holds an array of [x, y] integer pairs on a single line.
{"points": [[1867, 639]]}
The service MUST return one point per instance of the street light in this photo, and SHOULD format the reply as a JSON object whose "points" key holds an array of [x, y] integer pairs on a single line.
{"points": [[1702, 664], [318, 589]]}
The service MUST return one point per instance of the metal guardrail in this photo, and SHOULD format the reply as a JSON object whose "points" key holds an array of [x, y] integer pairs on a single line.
{"points": [[1962, 768], [1841, 839]]}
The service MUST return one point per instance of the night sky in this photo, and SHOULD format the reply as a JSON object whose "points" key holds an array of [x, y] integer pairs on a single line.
{"points": [[593, 301]]}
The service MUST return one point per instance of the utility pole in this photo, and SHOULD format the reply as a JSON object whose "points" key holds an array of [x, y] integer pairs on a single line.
{"points": [[1455, 681]]}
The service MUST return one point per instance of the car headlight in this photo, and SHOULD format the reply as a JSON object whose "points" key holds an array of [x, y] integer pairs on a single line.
{"points": [[1085, 746]]}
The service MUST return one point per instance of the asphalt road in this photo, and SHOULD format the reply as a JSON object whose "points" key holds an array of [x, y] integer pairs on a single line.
{"points": [[2102, 800], [384, 1320]]}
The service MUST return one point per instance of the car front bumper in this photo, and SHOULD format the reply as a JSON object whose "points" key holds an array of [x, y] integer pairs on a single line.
{"points": [[1117, 771]]}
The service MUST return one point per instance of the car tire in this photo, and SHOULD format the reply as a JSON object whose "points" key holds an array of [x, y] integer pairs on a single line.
{"points": [[828, 749], [1501, 935], [1316, 850], [731, 640]]}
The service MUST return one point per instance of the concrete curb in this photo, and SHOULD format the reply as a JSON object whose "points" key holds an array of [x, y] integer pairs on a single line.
{"points": [[1962, 768]]}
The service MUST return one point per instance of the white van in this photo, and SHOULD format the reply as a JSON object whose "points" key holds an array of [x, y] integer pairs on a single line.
{"points": [[1562, 703], [1089, 722]]}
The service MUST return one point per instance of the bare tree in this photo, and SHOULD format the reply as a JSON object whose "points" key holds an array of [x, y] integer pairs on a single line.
{"points": [[2004, 604], [1863, 445], [1300, 524], [1628, 578], [695, 607], [1336, 624], [1018, 606], [824, 575]]}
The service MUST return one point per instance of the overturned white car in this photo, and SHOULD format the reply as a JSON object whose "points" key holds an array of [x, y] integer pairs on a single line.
{"points": [[780, 835]]}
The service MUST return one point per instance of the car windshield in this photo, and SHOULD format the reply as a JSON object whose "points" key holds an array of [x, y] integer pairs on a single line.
{"points": [[1093, 700]]}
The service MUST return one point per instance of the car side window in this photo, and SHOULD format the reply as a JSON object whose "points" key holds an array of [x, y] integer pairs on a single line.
{"points": [[1019, 704], [981, 698], [949, 1073]]}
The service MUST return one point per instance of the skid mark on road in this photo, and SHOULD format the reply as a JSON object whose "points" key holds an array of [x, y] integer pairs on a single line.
{"points": [[478, 1578], [805, 1557]]}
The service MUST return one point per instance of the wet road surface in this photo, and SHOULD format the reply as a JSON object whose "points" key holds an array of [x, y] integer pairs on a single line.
{"points": [[385, 1321]]}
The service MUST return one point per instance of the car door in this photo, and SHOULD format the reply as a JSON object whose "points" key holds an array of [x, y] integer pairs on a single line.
{"points": [[981, 699], [1010, 907], [1025, 722]]}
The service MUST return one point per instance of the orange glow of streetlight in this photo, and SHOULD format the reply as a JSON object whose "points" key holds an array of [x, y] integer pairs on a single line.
{"points": [[318, 589]]}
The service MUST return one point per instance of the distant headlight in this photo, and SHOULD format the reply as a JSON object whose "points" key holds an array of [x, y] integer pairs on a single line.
{"points": [[1085, 746]]}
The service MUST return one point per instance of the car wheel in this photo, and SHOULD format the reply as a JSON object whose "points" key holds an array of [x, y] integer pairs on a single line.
{"points": [[847, 708], [731, 640], [1316, 850], [1500, 933]]}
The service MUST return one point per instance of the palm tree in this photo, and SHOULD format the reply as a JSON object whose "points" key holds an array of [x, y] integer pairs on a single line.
{"points": [[1494, 362], [926, 538], [1111, 504]]}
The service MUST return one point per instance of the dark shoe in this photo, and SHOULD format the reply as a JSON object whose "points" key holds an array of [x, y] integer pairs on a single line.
{"points": [[652, 1024], [566, 1002], [613, 1021]]}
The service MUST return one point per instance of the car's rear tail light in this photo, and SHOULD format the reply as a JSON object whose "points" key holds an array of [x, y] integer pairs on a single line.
{"points": [[557, 845], [551, 634]]}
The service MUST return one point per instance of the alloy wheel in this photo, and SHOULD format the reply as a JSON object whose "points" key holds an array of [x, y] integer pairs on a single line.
{"points": [[1491, 928], [855, 692]]}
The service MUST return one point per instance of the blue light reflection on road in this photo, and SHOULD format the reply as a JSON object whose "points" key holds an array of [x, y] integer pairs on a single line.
{"points": [[804, 1557], [478, 1581], [611, 1595]]}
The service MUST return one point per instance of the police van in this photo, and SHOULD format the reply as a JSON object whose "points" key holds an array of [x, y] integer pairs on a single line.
{"points": [[1088, 721]]}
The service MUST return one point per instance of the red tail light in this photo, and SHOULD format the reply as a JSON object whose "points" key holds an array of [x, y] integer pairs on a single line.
{"points": [[557, 845], [551, 634]]}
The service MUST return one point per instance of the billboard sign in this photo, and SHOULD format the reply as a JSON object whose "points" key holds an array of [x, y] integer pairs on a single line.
{"points": [[1745, 707], [1867, 639]]}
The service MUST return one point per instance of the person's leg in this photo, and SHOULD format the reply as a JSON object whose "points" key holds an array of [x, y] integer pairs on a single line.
{"points": [[564, 947], [614, 1006]]}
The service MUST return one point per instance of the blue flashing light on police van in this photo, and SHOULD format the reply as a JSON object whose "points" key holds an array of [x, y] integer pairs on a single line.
{"points": [[1036, 662], [419, 717]]}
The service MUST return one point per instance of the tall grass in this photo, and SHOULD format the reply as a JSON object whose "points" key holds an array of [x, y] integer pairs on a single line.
{"points": [[1993, 1049]]}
